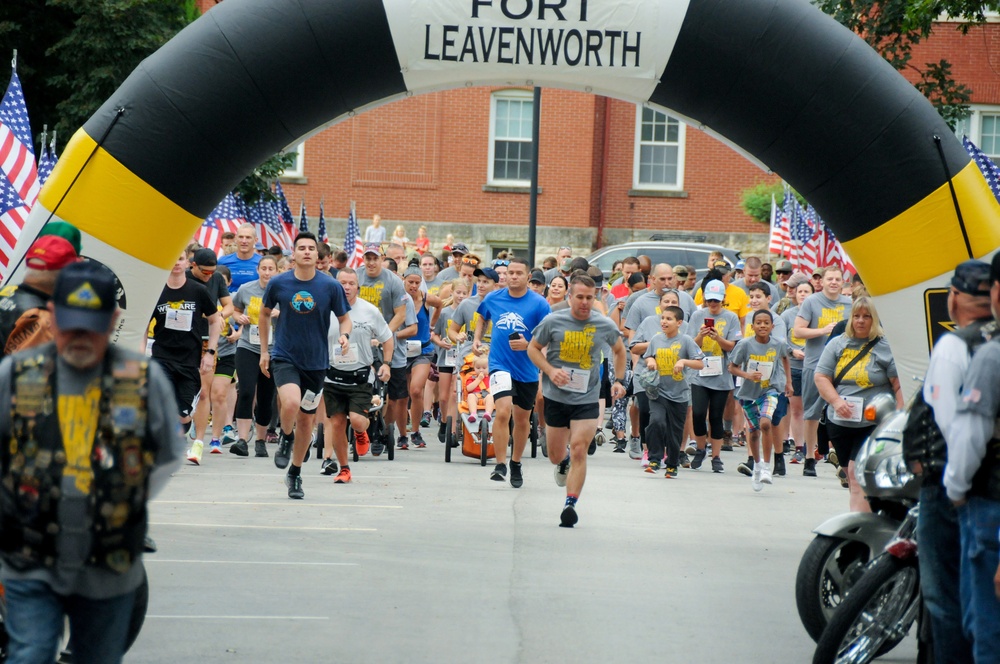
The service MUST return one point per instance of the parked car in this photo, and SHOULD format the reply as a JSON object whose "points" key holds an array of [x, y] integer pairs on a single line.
{"points": [[672, 253]]}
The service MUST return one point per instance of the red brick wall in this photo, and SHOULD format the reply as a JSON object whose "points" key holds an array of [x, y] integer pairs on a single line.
{"points": [[974, 57]]}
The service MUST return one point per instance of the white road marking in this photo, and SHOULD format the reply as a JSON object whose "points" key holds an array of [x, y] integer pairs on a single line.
{"points": [[153, 559], [278, 504], [218, 617], [229, 525]]}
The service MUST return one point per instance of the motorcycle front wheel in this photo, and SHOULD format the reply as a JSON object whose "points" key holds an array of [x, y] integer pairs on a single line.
{"points": [[875, 616], [829, 568]]}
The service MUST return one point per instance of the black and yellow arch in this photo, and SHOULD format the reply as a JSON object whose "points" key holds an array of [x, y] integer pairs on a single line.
{"points": [[776, 77]]}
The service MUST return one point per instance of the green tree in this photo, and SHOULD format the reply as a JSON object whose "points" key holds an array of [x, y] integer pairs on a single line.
{"points": [[257, 185], [894, 27], [756, 200]]}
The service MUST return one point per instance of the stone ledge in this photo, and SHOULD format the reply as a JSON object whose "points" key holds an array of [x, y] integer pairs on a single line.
{"points": [[500, 189], [656, 193]]}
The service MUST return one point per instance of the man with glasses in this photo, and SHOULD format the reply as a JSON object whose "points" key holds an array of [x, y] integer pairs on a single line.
{"points": [[563, 257], [500, 265], [458, 250], [783, 270]]}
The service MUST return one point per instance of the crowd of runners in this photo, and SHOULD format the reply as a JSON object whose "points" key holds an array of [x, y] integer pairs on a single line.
{"points": [[283, 351]]}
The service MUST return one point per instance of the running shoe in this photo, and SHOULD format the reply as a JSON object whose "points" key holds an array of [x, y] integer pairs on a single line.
{"points": [[787, 446], [402, 443], [343, 477], [634, 448], [765, 473], [779, 465], [377, 447], [499, 473], [195, 452], [685, 460], [417, 440], [671, 472], [284, 452], [842, 476], [799, 456], [741, 439], [568, 517], [645, 458], [809, 469], [593, 446], [215, 447], [329, 467], [698, 458], [361, 443], [516, 479], [543, 443], [833, 458], [228, 435], [240, 448], [560, 471], [442, 432], [271, 437], [294, 484], [746, 467], [259, 448], [653, 467], [755, 476], [620, 445], [425, 418], [691, 448], [717, 465], [727, 441]]}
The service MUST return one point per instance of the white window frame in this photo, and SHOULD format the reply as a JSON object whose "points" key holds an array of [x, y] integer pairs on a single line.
{"points": [[520, 95], [681, 145], [299, 170], [974, 127]]}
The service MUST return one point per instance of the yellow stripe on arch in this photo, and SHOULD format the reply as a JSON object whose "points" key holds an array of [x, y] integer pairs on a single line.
{"points": [[925, 240], [114, 205]]}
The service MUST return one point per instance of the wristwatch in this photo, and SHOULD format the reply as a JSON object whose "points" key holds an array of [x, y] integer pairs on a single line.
{"points": [[620, 381], [211, 351], [345, 335]]}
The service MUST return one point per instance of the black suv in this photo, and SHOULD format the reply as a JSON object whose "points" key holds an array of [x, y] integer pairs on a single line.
{"points": [[672, 253]]}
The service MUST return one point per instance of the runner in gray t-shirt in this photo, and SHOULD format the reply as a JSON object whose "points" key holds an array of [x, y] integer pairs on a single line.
{"points": [[566, 347]]}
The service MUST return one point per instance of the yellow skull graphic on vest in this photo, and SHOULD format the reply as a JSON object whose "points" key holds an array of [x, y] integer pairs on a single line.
{"points": [[84, 297]]}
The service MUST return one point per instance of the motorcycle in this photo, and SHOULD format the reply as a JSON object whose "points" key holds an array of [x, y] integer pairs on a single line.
{"points": [[845, 544]]}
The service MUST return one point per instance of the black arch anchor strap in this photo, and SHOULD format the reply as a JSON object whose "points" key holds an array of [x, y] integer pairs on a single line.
{"points": [[954, 196]]}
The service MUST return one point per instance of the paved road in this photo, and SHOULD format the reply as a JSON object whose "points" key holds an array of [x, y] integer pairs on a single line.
{"points": [[422, 561]]}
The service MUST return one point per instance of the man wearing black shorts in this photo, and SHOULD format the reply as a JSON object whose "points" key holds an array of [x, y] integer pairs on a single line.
{"points": [[574, 340], [177, 341], [301, 352]]}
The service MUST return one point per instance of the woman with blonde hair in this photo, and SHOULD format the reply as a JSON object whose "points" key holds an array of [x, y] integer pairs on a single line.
{"points": [[854, 368]]}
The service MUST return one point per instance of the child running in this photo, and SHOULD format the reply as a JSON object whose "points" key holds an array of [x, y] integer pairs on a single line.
{"points": [[755, 359], [477, 389]]}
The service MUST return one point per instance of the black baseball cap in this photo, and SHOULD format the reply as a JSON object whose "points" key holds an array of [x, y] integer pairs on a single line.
{"points": [[537, 276], [487, 272], [969, 275], [85, 297], [205, 258]]}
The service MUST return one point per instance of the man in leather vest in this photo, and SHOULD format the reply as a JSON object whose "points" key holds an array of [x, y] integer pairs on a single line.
{"points": [[924, 443], [88, 435], [972, 480]]}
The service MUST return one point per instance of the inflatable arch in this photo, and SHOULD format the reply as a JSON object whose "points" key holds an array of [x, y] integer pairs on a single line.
{"points": [[777, 78]]}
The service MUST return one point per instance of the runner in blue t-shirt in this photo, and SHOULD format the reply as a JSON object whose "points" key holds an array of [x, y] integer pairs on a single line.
{"points": [[243, 264], [515, 311], [305, 299]]}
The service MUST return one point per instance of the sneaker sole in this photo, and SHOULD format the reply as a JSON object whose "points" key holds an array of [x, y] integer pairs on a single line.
{"points": [[568, 518], [497, 477], [215, 450], [330, 470]]}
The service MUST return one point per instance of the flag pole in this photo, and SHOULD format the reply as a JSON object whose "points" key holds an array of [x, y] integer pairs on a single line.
{"points": [[13, 61]]}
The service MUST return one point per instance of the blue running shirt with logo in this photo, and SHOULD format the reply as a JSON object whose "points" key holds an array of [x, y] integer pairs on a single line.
{"points": [[300, 337], [509, 315]]}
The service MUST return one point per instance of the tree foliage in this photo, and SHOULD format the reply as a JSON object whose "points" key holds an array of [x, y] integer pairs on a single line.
{"points": [[756, 200], [894, 27], [257, 185]]}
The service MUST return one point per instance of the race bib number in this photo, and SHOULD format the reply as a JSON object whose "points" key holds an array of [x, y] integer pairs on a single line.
{"points": [[309, 401], [149, 347], [450, 357], [255, 335], [765, 369], [500, 381], [179, 319], [350, 358], [413, 347], [713, 366], [857, 405], [579, 380]]}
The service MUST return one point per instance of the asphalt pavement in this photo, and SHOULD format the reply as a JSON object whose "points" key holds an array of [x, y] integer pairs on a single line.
{"points": [[418, 560]]}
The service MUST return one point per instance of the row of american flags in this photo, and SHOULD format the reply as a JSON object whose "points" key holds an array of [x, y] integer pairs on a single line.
{"points": [[799, 234]]}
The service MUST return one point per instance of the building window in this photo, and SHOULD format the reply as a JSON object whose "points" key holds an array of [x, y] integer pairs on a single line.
{"points": [[659, 151], [983, 128], [510, 138], [297, 169]]}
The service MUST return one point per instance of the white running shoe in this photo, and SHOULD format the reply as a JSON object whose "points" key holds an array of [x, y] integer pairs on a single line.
{"points": [[755, 480], [765, 473], [634, 448], [195, 452]]}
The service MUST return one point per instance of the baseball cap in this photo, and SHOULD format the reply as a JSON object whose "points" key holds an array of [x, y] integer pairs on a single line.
{"points": [[596, 274], [741, 264], [50, 253], [681, 271], [65, 230], [783, 266], [488, 272], [715, 290], [969, 275], [373, 248], [413, 271], [205, 258], [459, 248], [818, 272], [537, 277], [567, 265], [85, 297], [722, 266]]}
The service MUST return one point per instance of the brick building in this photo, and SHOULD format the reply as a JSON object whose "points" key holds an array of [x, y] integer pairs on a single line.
{"points": [[458, 162]]}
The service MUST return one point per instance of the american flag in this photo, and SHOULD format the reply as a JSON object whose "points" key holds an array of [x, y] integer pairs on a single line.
{"points": [[806, 238], [780, 241], [18, 172], [47, 161], [321, 230], [303, 219], [227, 216], [835, 253], [263, 216], [353, 239], [985, 164], [284, 212]]}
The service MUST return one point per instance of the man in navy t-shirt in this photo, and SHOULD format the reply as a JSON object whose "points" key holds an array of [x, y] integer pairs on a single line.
{"points": [[515, 311], [305, 299]]}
